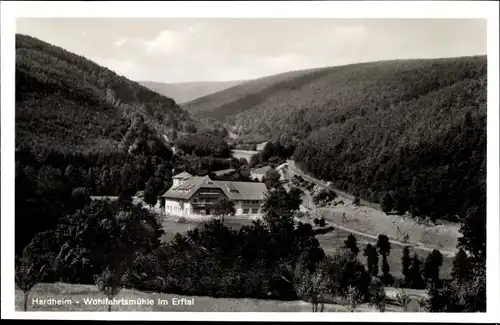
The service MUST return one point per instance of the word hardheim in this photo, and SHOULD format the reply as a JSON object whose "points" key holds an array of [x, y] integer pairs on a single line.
{"points": [[51, 302]]}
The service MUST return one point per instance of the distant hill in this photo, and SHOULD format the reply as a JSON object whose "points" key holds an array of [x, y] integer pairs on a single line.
{"points": [[81, 131], [224, 103], [411, 133], [187, 91], [298, 102], [67, 102]]}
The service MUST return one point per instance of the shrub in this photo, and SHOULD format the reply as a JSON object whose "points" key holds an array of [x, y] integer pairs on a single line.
{"points": [[378, 297], [316, 221], [403, 299], [352, 299], [345, 270], [181, 220], [356, 201]]}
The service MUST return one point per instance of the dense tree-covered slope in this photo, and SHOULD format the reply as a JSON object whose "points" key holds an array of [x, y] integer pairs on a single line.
{"points": [[82, 129], [66, 101], [184, 92], [410, 132], [245, 96]]}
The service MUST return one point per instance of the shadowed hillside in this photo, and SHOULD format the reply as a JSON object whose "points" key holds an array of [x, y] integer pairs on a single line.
{"points": [[63, 99], [81, 129], [187, 91], [410, 133]]}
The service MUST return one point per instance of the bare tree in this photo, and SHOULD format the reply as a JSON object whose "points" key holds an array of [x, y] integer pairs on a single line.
{"points": [[352, 299], [110, 282], [422, 304], [403, 299], [378, 297], [313, 287], [28, 274], [224, 207]]}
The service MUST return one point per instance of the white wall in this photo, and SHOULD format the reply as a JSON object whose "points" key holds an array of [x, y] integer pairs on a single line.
{"points": [[177, 208], [184, 208], [239, 206]]}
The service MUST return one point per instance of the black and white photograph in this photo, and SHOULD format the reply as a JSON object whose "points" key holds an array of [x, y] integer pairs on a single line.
{"points": [[249, 164]]}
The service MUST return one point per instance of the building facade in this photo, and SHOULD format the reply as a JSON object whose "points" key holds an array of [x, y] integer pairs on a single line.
{"points": [[195, 195]]}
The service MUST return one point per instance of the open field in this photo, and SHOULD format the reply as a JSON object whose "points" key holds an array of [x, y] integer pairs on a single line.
{"points": [[77, 294], [334, 240], [372, 221]]}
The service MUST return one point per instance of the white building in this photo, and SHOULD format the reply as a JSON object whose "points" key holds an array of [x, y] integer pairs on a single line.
{"points": [[195, 195]]}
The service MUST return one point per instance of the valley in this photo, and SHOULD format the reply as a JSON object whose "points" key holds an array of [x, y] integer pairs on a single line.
{"points": [[374, 180], [187, 91]]}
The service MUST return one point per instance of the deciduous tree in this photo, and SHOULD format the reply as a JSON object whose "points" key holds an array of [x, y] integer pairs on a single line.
{"points": [[371, 259], [224, 207]]}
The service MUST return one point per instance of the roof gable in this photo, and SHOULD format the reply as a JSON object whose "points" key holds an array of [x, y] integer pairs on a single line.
{"points": [[183, 175], [262, 170], [233, 190], [243, 190]]}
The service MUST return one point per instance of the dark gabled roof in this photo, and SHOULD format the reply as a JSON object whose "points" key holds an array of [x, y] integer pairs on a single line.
{"points": [[183, 175], [224, 171], [189, 187], [261, 170], [261, 146], [243, 190], [233, 190]]}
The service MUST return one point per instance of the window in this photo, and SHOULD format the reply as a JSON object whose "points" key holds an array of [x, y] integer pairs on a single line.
{"points": [[255, 211], [246, 211]]}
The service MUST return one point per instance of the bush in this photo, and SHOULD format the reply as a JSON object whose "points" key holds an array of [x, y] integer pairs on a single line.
{"points": [[324, 196], [300, 215], [345, 270], [181, 220], [356, 201], [378, 297], [316, 221], [322, 222]]}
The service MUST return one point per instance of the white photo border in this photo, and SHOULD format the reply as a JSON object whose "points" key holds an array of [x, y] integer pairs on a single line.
{"points": [[259, 9]]}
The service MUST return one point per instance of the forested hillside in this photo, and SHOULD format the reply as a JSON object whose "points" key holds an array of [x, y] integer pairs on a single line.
{"points": [[184, 92], [67, 100], [245, 96], [83, 130], [408, 133]]}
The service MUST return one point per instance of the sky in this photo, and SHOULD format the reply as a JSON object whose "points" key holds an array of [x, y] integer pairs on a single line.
{"points": [[173, 50]]}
